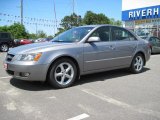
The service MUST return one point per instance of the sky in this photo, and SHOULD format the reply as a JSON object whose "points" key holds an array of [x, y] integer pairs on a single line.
{"points": [[39, 14]]}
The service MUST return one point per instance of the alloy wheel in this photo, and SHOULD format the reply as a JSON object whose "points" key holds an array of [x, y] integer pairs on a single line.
{"points": [[138, 64], [64, 73], [4, 47]]}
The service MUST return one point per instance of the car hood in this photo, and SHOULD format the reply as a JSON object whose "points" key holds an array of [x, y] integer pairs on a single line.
{"points": [[36, 47]]}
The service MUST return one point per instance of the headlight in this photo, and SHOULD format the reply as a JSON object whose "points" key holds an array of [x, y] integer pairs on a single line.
{"points": [[29, 57]]}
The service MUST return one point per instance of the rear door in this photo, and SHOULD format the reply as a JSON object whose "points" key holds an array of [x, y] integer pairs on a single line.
{"points": [[126, 44]]}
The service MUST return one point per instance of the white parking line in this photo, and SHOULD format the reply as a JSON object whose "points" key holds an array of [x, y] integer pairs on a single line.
{"points": [[121, 104], [79, 117], [52, 97], [5, 77]]}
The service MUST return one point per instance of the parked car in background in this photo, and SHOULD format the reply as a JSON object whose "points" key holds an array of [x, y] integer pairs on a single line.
{"points": [[46, 39], [6, 41], [25, 41], [42, 40], [154, 42], [38, 40], [78, 51], [32, 40], [17, 42]]}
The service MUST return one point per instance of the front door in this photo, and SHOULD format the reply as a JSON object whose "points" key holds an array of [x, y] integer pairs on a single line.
{"points": [[98, 55]]}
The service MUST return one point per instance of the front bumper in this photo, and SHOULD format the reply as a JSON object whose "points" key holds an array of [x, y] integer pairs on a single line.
{"points": [[37, 72]]}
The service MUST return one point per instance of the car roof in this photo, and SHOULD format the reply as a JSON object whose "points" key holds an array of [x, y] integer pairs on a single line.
{"points": [[101, 25]]}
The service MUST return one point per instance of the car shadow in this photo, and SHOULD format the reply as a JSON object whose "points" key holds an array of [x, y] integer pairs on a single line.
{"points": [[30, 85], [102, 76], [155, 54]]}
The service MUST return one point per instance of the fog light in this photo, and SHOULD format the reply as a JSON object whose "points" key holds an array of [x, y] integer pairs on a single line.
{"points": [[24, 74]]}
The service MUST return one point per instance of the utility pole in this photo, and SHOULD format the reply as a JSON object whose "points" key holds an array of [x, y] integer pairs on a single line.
{"points": [[55, 15], [73, 6], [22, 12], [36, 30]]}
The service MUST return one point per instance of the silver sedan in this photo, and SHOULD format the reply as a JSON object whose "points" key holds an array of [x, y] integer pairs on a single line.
{"points": [[78, 51]]}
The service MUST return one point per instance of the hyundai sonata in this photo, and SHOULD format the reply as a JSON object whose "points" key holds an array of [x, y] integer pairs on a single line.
{"points": [[78, 51]]}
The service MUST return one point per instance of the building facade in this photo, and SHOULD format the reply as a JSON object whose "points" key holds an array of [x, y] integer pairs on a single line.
{"points": [[142, 16]]}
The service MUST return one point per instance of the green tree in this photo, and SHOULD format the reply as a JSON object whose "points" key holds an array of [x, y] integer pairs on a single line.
{"points": [[60, 30], [69, 21], [17, 30], [119, 23], [4, 28], [41, 34], [91, 18], [114, 22], [32, 36], [50, 36]]}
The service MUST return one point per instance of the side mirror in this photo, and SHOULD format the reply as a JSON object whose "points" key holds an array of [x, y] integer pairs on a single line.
{"points": [[93, 39]]}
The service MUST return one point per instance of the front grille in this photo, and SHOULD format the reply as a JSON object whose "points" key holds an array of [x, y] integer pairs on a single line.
{"points": [[9, 57], [10, 72]]}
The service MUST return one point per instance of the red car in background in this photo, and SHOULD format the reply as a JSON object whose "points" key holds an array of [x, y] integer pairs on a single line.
{"points": [[25, 41]]}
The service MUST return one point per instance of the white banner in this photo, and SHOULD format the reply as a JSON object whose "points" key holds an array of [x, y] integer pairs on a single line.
{"points": [[134, 4]]}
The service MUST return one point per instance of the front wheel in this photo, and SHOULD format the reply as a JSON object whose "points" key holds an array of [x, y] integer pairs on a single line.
{"points": [[137, 64], [62, 73], [4, 47]]}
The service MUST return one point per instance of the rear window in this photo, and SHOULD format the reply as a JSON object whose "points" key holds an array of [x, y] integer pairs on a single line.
{"points": [[4, 35]]}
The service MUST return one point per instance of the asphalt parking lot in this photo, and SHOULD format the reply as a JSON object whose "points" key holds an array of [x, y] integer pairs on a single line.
{"points": [[113, 95]]}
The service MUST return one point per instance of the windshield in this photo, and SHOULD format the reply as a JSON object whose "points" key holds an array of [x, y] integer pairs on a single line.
{"points": [[73, 35]]}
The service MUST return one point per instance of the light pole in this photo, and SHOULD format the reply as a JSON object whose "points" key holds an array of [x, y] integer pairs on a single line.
{"points": [[22, 12], [73, 6], [55, 15], [36, 29]]}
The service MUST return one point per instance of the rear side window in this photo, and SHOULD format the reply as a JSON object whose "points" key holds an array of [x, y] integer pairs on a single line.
{"points": [[157, 40], [152, 39], [4, 35], [120, 34]]}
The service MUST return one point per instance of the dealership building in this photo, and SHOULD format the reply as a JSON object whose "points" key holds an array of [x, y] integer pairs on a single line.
{"points": [[142, 16]]}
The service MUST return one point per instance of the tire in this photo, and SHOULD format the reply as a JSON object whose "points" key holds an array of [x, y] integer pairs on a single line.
{"points": [[137, 64], [151, 52], [62, 73], [4, 47]]}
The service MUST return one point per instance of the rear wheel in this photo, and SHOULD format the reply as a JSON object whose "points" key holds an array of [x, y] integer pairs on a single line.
{"points": [[62, 73], [137, 64], [4, 47]]}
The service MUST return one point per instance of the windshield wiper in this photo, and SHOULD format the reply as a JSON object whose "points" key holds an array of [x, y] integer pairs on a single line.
{"points": [[61, 41], [57, 41]]}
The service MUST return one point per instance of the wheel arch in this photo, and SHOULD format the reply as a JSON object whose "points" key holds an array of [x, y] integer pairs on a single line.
{"points": [[143, 54], [62, 57], [4, 43]]}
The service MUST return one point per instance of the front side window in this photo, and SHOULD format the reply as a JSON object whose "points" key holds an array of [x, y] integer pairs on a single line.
{"points": [[103, 33], [120, 34], [73, 35]]}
